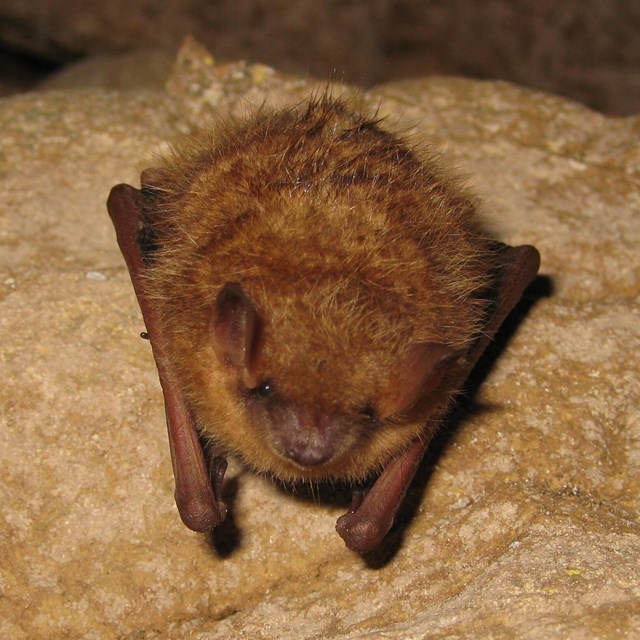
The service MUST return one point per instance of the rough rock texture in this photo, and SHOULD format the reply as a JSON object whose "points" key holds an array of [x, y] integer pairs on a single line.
{"points": [[524, 520]]}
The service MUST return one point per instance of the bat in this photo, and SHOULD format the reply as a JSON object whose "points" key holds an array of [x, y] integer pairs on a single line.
{"points": [[315, 289]]}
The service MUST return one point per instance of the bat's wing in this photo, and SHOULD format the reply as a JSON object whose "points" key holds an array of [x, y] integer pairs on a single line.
{"points": [[197, 491], [364, 527]]}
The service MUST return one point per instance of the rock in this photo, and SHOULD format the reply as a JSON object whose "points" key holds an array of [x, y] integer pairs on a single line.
{"points": [[524, 519], [137, 70]]}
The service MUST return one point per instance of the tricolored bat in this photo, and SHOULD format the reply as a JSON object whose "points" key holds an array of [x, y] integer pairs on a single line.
{"points": [[316, 291]]}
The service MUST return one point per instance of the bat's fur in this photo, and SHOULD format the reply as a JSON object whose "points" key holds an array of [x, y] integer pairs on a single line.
{"points": [[351, 245]]}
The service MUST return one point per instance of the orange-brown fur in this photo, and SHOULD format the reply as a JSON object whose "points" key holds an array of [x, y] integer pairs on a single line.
{"points": [[351, 245]]}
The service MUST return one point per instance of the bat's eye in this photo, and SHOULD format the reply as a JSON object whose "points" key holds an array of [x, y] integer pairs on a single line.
{"points": [[369, 413], [263, 390]]}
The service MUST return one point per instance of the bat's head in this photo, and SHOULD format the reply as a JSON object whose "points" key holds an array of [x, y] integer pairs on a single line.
{"points": [[318, 393], [318, 284]]}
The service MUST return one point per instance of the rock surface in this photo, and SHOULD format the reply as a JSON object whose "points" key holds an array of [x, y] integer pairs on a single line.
{"points": [[524, 520]]}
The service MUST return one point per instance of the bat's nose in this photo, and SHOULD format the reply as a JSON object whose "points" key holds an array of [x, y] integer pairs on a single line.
{"points": [[306, 436], [310, 453]]}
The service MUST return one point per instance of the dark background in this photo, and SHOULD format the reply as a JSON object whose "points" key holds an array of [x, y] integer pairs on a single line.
{"points": [[588, 50]]}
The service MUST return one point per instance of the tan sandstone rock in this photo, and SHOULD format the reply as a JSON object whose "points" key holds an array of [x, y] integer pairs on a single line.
{"points": [[524, 519]]}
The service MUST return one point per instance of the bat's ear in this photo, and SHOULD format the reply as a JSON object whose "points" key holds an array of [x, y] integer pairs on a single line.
{"points": [[417, 373], [235, 328]]}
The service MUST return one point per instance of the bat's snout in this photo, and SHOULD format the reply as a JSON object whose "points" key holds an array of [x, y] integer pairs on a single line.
{"points": [[307, 436]]}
